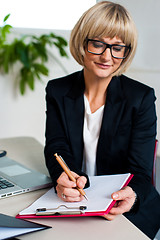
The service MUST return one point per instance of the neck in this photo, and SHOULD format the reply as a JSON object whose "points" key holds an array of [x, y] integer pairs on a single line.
{"points": [[96, 91]]}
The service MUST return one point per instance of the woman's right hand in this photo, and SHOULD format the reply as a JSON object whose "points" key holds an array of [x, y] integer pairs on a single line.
{"points": [[66, 189]]}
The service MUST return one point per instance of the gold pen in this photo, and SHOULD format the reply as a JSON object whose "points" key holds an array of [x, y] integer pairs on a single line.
{"points": [[68, 172]]}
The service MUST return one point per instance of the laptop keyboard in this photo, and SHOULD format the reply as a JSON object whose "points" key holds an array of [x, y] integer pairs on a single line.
{"points": [[5, 183]]}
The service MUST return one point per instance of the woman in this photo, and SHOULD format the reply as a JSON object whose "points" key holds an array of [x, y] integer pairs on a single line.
{"points": [[100, 121]]}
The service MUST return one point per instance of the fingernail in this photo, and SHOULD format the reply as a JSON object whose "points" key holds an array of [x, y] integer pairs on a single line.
{"points": [[115, 195]]}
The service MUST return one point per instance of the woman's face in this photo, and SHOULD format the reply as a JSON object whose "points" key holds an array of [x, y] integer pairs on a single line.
{"points": [[102, 66]]}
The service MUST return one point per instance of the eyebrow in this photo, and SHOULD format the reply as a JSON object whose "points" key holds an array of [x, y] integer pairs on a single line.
{"points": [[101, 39]]}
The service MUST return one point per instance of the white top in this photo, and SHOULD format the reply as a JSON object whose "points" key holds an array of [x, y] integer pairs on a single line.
{"points": [[91, 130]]}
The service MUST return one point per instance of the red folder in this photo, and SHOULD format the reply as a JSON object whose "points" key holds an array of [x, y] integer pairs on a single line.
{"points": [[82, 214]]}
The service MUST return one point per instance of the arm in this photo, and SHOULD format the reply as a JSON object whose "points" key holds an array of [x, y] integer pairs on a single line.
{"points": [[57, 139], [140, 157], [142, 146]]}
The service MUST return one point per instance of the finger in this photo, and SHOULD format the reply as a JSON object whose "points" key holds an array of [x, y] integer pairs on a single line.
{"points": [[65, 181], [69, 198], [109, 217], [67, 191], [68, 194], [81, 182], [71, 192], [73, 199], [122, 207], [66, 198], [75, 175], [123, 193]]}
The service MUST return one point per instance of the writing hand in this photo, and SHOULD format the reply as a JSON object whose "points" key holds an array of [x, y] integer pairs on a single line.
{"points": [[125, 200], [66, 189]]}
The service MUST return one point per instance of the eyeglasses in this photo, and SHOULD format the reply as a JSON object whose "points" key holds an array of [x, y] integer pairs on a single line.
{"points": [[98, 47]]}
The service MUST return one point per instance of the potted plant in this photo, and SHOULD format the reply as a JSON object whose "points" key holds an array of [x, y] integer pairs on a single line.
{"points": [[32, 53]]}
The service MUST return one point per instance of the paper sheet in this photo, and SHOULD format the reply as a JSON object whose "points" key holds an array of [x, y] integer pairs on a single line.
{"points": [[11, 232], [11, 227]]}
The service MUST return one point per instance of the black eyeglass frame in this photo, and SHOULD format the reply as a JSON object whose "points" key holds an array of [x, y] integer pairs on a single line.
{"points": [[108, 46]]}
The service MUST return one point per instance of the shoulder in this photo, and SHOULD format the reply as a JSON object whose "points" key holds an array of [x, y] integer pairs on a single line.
{"points": [[132, 84], [63, 84], [135, 90]]}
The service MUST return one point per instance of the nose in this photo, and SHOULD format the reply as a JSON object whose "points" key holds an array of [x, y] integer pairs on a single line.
{"points": [[107, 54]]}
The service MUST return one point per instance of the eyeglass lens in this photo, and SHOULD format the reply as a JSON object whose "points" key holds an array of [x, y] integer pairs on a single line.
{"points": [[98, 47]]}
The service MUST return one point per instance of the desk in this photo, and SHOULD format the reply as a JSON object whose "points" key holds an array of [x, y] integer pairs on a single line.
{"points": [[29, 152]]}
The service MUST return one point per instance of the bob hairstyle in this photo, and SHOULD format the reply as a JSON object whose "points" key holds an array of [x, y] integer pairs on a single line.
{"points": [[104, 19]]}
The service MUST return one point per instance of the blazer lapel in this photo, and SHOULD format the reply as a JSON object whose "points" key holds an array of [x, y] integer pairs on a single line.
{"points": [[115, 103]]}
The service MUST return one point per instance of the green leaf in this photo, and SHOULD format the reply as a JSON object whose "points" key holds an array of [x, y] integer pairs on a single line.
{"points": [[6, 17], [8, 56], [30, 80], [23, 53], [52, 35], [62, 41], [22, 86], [61, 50], [37, 75], [45, 39], [41, 50], [5, 30], [41, 69]]}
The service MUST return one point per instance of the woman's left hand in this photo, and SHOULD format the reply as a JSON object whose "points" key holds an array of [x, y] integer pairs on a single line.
{"points": [[125, 199]]}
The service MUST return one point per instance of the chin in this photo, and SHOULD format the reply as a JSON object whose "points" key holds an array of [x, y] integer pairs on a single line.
{"points": [[104, 75]]}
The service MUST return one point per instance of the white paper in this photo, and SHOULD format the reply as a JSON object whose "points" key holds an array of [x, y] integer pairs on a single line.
{"points": [[99, 195], [7, 232]]}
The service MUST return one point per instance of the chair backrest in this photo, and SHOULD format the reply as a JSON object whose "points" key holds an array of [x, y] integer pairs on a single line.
{"points": [[154, 164]]}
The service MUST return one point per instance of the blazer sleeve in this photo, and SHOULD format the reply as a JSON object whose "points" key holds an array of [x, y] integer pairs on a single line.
{"points": [[142, 144], [57, 140]]}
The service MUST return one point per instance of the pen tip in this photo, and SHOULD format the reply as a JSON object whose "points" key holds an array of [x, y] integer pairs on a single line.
{"points": [[86, 197]]}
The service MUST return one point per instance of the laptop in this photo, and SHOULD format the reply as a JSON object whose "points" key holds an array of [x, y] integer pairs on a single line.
{"points": [[16, 178]]}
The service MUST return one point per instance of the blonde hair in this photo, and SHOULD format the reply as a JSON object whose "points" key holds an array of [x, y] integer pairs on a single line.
{"points": [[104, 19]]}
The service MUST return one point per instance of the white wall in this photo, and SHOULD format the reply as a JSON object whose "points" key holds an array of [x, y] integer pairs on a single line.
{"points": [[146, 64], [21, 116], [25, 115]]}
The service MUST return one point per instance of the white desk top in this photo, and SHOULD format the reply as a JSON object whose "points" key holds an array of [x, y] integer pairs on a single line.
{"points": [[30, 152]]}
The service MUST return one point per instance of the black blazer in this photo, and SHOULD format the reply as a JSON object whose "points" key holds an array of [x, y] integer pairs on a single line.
{"points": [[127, 136]]}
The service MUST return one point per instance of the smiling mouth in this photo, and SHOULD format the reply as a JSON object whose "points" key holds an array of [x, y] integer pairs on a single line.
{"points": [[103, 66]]}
